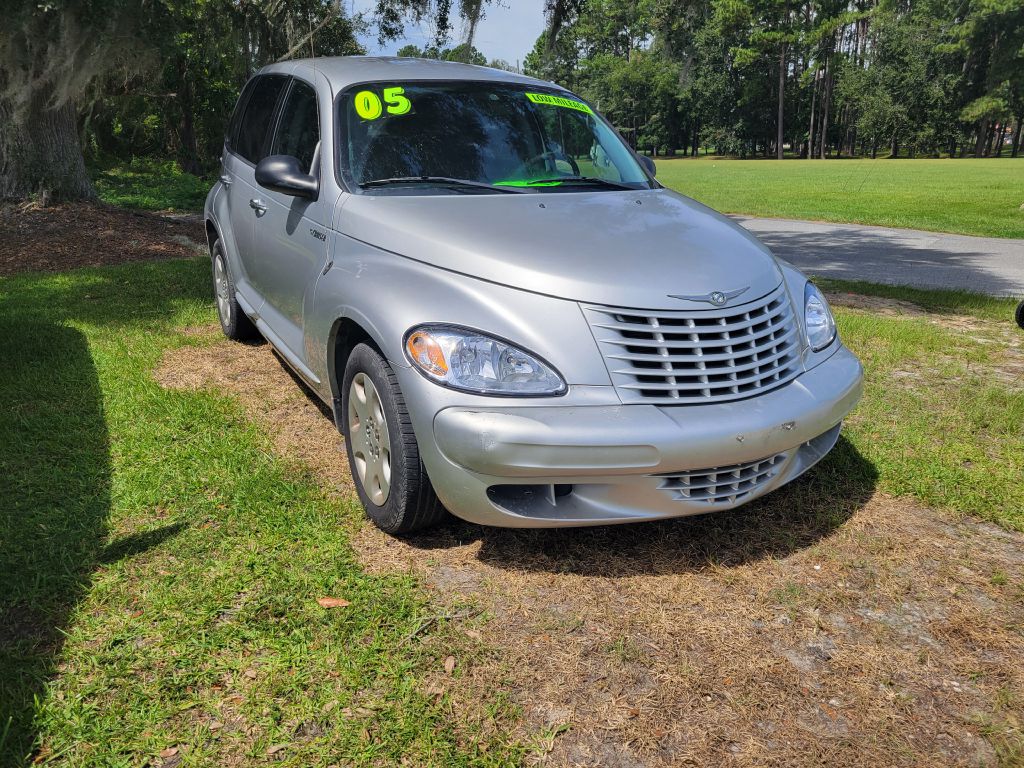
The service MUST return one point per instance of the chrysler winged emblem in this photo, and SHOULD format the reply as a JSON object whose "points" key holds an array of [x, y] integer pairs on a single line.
{"points": [[718, 298]]}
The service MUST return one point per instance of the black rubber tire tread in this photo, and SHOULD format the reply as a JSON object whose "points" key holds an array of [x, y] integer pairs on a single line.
{"points": [[412, 504], [1020, 314], [241, 328]]}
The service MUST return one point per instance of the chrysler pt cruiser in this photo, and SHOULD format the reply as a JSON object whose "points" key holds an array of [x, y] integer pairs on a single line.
{"points": [[509, 317]]}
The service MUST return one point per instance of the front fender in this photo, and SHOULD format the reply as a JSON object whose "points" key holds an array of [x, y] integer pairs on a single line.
{"points": [[387, 294]]}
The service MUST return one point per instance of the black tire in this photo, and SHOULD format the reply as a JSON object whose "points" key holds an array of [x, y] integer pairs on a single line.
{"points": [[1020, 314], [233, 321], [411, 504]]}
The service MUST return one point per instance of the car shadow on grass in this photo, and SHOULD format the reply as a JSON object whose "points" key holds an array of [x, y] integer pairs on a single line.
{"points": [[54, 504], [788, 520]]}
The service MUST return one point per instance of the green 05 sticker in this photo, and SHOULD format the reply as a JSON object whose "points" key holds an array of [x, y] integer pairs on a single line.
{"points": [[369, 106]]}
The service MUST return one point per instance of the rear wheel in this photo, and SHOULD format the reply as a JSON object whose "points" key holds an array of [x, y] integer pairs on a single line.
{"points": [[1020, 314], [233, 321], [382, 451]]}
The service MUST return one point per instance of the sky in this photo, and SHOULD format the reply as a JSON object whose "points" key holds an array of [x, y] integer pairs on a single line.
{"points": [[508, 31]]}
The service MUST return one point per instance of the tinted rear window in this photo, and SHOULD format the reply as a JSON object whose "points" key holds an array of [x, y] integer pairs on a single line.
{"points": [[255, 120]]}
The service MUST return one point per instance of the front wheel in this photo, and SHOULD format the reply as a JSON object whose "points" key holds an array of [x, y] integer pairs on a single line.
{"points": [[382, 451], [1020, 314]]}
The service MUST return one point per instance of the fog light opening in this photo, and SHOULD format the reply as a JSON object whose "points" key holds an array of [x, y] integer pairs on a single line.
{"points": [[528, 499]]}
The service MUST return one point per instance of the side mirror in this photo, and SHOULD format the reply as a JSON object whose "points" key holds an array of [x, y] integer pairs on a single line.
{"points": [[282, 173], [648, 164]]}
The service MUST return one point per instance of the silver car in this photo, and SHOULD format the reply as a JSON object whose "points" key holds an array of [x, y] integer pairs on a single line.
{"points": [[510, 318]]}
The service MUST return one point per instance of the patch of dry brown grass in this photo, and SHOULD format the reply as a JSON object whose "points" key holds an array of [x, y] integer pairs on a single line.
{"points": [[825, 624], [1004, 341], [885, 642], [878, 305]]}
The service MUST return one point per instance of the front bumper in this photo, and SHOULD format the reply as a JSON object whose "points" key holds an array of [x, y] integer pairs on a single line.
{"points": [[547, 466]]}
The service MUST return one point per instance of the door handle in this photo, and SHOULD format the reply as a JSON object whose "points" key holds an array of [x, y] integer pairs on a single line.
{"points": [[258, 205], [225, 180]]}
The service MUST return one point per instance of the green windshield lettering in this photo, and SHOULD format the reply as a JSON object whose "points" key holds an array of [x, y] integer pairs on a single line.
{"points": [[526, 183], [559, 101]]}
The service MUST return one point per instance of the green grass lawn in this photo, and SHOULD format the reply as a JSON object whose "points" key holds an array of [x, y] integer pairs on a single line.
{"points": [[150, 185], [942, 417], [976, 197], [968, 196], [162, 566]]}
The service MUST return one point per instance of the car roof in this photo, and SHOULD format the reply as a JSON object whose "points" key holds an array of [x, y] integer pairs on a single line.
{"points": [[343, 71]]}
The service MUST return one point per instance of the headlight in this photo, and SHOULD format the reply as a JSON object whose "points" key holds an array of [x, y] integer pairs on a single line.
{"points": [[464, 359], [818, 320]]}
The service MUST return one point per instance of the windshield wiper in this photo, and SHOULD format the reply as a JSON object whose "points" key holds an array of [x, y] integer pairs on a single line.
{"points": [[582, 180], [436, 180]]}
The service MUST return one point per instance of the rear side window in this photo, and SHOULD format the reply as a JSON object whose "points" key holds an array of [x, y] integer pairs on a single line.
{"points": [[236, 116], [299, 128], [255, 121]]}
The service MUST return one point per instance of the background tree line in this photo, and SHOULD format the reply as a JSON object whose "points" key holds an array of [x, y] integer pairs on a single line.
{"points": [[83, 80], [822, 77]]}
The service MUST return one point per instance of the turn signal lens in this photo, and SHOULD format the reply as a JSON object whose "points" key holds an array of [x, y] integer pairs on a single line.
{"points": [[464, 359], [426, 353]]}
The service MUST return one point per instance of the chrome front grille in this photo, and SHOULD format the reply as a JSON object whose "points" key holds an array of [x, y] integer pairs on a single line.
{"points": [[719, 485], [714, 355]]}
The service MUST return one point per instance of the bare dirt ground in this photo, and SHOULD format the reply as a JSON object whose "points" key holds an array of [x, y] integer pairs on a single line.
{"points": [[825, 624], [878, 305], [65, 236]]}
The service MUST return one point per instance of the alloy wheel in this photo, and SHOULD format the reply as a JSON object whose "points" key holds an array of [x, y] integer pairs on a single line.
{"points": [[371, 443], [220, 285]]}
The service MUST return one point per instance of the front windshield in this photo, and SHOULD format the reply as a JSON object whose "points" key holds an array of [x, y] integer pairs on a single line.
{"points": [[479, 137]]}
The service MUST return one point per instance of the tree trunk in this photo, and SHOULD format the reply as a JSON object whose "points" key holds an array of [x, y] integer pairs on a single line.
{"points": [[188, 157], [988, 142], [1016, 136], [825, 104], [1002, 139], [979, 147], [782, 100], [810, 127], [894, 151], [40, 152]]}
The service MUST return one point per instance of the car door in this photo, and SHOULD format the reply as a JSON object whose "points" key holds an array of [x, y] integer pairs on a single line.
{"points": [[290, 238], [245, 146]]}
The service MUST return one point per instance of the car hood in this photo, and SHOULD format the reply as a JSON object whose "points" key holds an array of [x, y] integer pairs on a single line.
{"points": [[625, 249]]}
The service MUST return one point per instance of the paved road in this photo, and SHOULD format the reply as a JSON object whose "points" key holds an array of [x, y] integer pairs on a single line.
{"points": [[896, 256]]}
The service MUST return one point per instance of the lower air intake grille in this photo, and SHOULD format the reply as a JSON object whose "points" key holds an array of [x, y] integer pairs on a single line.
{"points": [[719, 485]]}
